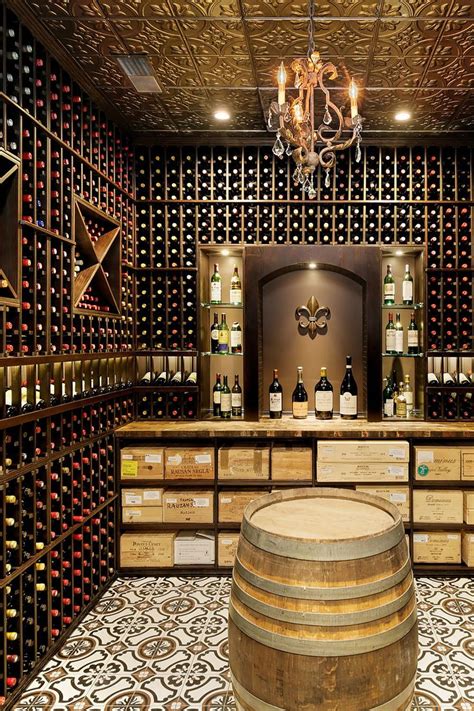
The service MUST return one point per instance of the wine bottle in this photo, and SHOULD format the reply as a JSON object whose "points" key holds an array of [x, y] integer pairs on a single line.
{"points": [[148, 378], [407, 286], [223, 335], [390, 346], [323, 397], [226, 400], [348, 393], [275, 392], [216, 286], [408, 392], [300, 397], [162, 378], [215, 334], [432, 379], [388, 402], [413, 344], [191, 379], [236, 338], [235, 288], [398, 335], [389, 287], [401, 403], [216, 396], [448, 379], [463, 379], [236, 398], [177, 378]]}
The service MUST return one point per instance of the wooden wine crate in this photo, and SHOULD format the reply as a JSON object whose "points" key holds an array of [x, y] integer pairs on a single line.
{"points": [[142, 497], [147, 550], [437, 463], [399, 496], [244, 463], [467, 549], [142, 514], [227, 543], [183, 506], [189, 463], [292, 463], [361, 471], [396, 451], [468, 507], [141, 463], [233, 503], [437, 506], [436, 547]]}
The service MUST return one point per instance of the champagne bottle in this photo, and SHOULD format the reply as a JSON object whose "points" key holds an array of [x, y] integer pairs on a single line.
{"points": [[398, 335], [413, 344], [236, 398], [408, 392], [215, 335], [235, 288], [226, 400], [407, 286], [275, 392], [236, 338], [216, 286], [388, 402], [216, 396], [223, 335], [300, 397], [323, 397], [389, 287], [390, 335], [348, 393]]}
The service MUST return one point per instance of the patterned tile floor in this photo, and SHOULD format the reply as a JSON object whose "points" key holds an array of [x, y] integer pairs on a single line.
{"points": [[161, 645]]}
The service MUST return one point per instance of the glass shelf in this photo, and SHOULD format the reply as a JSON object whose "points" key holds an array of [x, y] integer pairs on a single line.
{"points": [[413, 307], [222, 305], [402, 355], [220, 355]]}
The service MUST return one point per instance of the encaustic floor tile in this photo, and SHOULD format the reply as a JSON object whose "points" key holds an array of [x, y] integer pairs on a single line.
{"points": [[160, 644]]}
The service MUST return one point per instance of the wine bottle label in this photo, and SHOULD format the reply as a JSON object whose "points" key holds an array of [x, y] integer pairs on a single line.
{"points": [[236, 399], [216, 291], [235, 339], [407, 290], [447, 379], [463, 379], [389, 289], [389, 408], [275, 402], [236, 296], [412, 339], [324, 401], [217, 398], [399, 341], [390, 339], [348, 404], [300, 409], [215, 334], [409, 398], [226, 402]]}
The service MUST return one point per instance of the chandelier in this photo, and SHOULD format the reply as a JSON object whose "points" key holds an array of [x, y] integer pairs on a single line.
{"points": [[294, 120]]}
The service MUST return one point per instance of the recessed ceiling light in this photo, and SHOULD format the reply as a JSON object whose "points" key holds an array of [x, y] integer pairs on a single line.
{"points": [[312, 265], [225, 252], [402, 115], [222, 115]]}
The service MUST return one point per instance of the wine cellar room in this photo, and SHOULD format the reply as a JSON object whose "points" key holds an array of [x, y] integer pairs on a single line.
{"points": [[236, 266]]}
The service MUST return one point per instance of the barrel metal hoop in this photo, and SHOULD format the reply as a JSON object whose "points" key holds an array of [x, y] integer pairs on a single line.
{"points": [[322, 648], [333, 619], [326, 593], [320, 551], [256, 703]]}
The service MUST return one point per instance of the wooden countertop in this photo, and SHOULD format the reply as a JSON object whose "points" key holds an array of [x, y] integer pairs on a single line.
{"points": [[287, 427]]}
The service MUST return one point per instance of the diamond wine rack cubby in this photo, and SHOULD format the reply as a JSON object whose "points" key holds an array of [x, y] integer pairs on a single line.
{"points": [[97, 260], [9, 241]]}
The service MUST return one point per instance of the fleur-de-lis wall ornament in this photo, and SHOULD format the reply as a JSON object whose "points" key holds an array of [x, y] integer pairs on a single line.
{"points": [[312, 317]]}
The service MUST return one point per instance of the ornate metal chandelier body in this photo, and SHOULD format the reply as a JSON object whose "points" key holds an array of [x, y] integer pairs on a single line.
{"points": [[294, 120]]}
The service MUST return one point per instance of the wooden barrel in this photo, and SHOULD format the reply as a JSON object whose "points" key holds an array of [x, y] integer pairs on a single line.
{"points": [[322, 611]]}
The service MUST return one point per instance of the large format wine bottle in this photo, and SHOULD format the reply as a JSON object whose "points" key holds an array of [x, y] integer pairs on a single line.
{"points": [[348, 398], [275, 392], [226, 400], [300, 397], [389, 287], [388, 401], [216, 286], [323, 397]]}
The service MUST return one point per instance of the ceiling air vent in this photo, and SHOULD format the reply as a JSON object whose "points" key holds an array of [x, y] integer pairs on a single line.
{"points": [[139, 69]]}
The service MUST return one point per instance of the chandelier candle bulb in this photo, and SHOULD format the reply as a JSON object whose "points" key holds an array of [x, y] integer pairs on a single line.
{"points": [[281, 84], [353, 96]]}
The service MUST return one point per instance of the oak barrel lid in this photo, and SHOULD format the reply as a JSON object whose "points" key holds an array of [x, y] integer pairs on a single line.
{"points": [[322, 524]]}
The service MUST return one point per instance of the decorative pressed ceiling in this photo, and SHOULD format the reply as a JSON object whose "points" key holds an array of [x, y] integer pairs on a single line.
{"points": [[207, 54]]}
